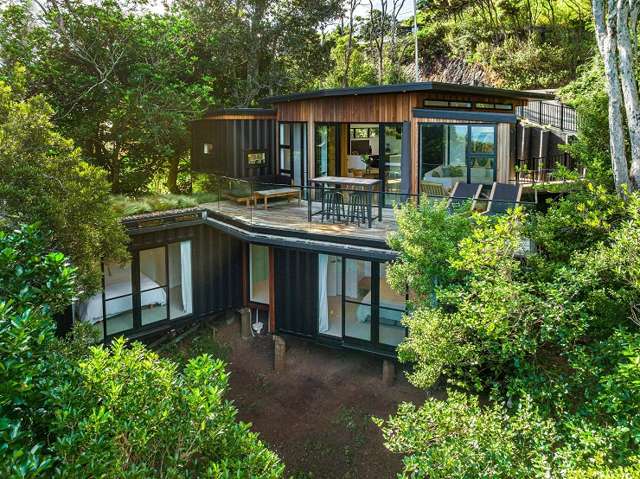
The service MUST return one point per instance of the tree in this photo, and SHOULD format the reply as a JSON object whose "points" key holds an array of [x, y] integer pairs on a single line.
{"points": [[550, 340], [614, 20], [44, 180]]}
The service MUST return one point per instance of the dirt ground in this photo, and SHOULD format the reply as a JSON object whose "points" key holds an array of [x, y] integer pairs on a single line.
{"points": [[317, 413]]}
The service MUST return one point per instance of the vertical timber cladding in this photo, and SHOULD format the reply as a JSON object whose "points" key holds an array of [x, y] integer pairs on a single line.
{"points": [[296, 291], [231, 138], [216, 264]]}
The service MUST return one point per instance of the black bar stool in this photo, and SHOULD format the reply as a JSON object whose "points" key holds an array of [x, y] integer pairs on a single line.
{"points": [[358, 207], [333, 206]]}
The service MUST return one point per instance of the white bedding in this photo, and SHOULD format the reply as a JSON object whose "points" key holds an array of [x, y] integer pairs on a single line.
{"points": [[119, 284]]}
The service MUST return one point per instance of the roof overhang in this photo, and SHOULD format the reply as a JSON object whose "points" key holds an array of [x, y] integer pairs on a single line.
{"points": [[410, 87]]}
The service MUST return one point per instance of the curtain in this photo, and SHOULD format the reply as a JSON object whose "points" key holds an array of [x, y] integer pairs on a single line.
{"points": [[185, 262], [323, 317]]}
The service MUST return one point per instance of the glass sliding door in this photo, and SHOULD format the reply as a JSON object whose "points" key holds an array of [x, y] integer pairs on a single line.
{"points": [[391, 160], [259, 274], [118, 297], [482, 153], [392, 307], [153, 285], [293, 151], [299, 152], [451, 153], [326, 150], [357, 299], [285, 149], [330, 295]]}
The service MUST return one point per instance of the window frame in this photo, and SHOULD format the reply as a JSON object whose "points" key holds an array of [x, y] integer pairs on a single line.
{"points": [[374, 342], [136, 292]]}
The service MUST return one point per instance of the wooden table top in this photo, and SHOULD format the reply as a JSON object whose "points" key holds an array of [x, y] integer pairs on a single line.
{"points": [[345, 180]]}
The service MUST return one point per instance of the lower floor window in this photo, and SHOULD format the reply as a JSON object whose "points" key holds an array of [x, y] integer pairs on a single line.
{"points": [[350, 306], [156, 285]]}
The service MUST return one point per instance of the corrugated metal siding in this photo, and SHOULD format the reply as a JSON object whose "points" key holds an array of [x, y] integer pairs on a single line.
{"points": [[216, 265], [232, 140], [296, 292]]}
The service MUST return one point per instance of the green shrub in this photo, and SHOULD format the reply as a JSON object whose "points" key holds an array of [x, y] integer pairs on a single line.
{"points": [[68, 410]]}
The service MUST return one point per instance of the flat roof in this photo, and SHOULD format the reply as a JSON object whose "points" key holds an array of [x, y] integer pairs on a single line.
{"points": [[241, 111], [408, 87]]}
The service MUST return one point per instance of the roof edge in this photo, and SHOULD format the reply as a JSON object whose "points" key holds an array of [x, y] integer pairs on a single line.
{"points": [[405, 88]]}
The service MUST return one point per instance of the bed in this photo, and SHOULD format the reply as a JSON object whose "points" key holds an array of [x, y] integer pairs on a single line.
{"points": [[388, 299], [119, 288]]}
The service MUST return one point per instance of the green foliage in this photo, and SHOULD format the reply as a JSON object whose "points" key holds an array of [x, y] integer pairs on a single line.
{"points": [[553, 334], [459, 438], [427, 236], [158, 423], [126, 206], [31, 276], [68, 410], [126, 80], [44, 180]]}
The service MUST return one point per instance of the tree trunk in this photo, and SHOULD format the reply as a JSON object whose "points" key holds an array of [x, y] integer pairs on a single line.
{"points": [[606, 38], [629, 86], [172, 178]]}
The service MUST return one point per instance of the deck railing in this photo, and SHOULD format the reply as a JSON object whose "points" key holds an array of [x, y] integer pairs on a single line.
{"points": [[545, 113], [235, 196], [545, 169]]}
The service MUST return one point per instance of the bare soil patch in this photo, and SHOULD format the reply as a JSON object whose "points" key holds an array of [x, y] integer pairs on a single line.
{"points": [[317, 413]]}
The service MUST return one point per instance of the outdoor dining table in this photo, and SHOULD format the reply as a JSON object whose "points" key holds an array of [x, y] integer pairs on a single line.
{"points": [[366, 184]]}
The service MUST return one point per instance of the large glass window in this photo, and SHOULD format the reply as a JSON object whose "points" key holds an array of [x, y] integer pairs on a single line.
{"points": [[326, 149], [392, 307], [456, 153], [153, 285], [161, 284], [330, 295], [392, 163], [285, 148], [118, 297], [482, 153], [259, 274], [357, 299], [293, 151]]}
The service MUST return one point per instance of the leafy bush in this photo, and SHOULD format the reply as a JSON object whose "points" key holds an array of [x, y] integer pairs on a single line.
{"points": [[459, 438], [553, 335], [67, 410]]}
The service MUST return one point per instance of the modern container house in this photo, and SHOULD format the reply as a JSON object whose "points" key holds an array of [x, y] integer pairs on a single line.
{"points": [[298, 272]]}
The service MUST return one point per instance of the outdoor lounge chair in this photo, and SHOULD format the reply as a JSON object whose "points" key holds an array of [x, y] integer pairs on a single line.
{"points": [[503, 197], [463, 192]]}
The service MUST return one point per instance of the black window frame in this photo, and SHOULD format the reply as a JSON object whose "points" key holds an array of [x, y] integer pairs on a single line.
{"points": [[374, 342], [136, 293], [468, 153]]}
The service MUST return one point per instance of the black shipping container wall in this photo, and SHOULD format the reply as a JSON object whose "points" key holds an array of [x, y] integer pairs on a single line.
{"points": [[216, 265], [231, 140], [296, 291]]}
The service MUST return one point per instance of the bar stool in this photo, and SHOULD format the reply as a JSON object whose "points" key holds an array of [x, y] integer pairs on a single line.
{"points": [[333, 205], [358, 207]]}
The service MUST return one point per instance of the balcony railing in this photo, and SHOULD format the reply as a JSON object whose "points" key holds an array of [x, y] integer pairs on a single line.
{"points": [[547, 169], [552, 114]]}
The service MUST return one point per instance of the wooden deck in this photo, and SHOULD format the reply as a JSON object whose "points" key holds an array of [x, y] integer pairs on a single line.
{"points": [[285, 216]]}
